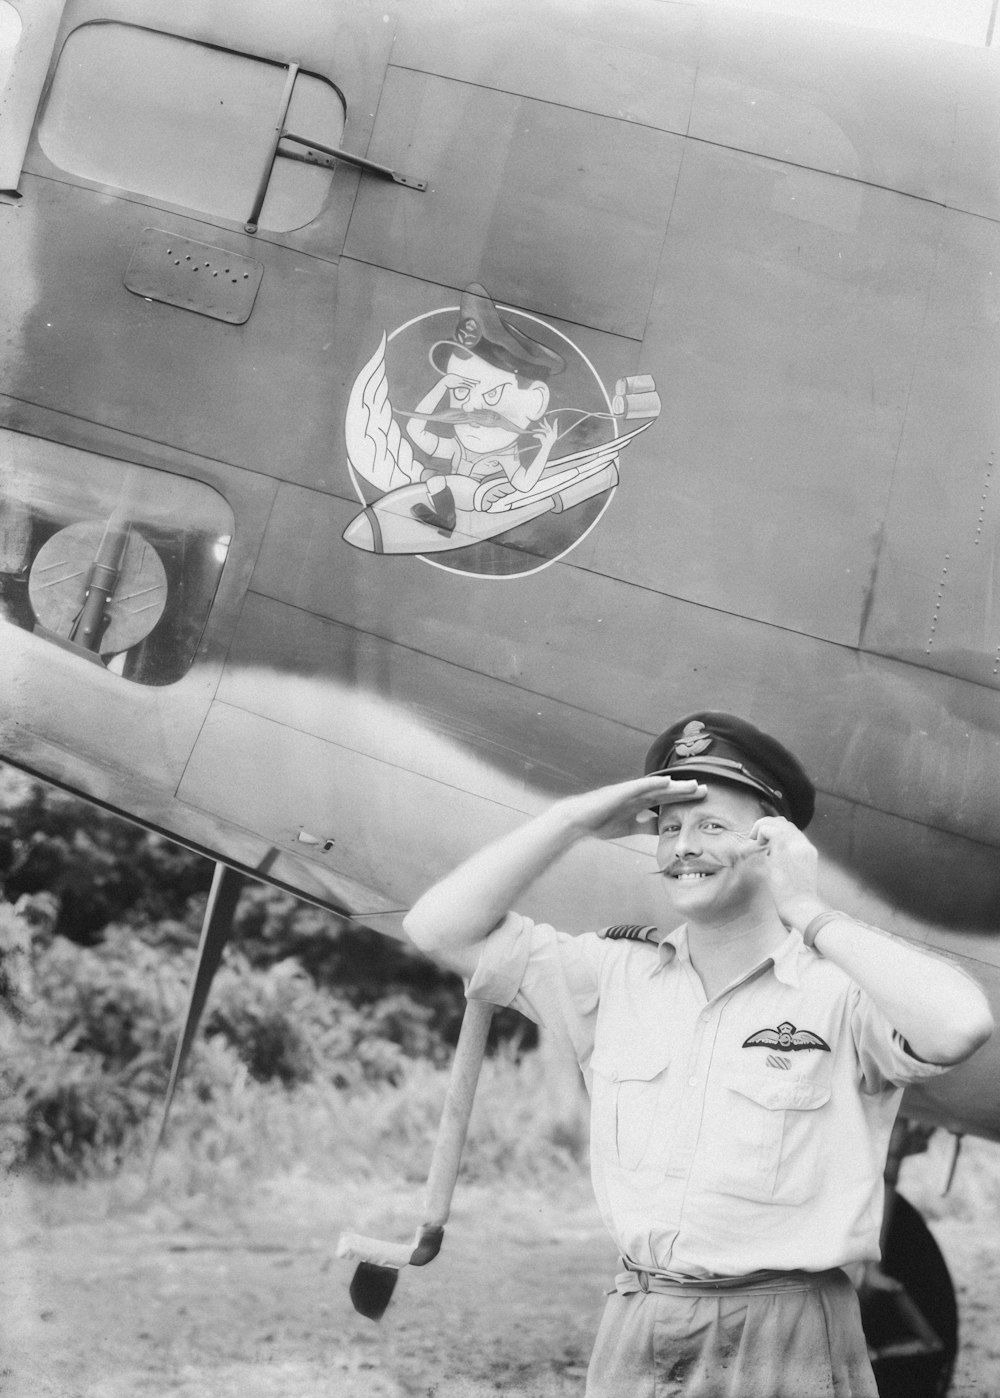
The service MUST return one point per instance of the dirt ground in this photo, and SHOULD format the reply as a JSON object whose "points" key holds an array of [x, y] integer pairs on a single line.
{"points": [[250, 1301], [107, 1294]]}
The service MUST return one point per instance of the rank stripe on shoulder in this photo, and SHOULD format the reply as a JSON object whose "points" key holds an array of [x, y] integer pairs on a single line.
{"points": [[630, 932]]}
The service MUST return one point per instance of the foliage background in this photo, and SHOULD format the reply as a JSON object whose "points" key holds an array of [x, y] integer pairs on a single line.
{"points": [[310, 1026]]}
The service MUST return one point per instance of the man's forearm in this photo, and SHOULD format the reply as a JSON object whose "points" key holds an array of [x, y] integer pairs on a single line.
{"points": [[467, 904], [464, 907], [940, 1012]]}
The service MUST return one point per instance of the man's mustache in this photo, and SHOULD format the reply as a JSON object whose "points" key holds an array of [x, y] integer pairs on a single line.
{"points": [[475, 417], [747, 850]]}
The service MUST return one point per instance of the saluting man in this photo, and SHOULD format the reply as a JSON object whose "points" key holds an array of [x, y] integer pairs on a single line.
{"points": [[744, 1069]]}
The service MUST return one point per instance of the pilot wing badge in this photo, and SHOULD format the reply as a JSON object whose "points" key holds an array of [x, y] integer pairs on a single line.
{"points": [[787, 1038], [482, 440]]}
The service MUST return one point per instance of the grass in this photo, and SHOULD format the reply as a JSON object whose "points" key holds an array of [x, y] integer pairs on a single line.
{"points": [[249, 1134]]}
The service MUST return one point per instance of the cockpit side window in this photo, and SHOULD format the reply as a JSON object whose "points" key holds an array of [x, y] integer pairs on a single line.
{"points": [[114, 562], [190, 124]]}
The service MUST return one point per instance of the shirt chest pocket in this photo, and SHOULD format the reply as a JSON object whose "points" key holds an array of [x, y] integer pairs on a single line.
{"points": [[631, 1106], [771, 1143]]}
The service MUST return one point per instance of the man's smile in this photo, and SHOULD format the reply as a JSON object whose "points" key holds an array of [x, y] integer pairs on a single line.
{"points": [[684, 873]]}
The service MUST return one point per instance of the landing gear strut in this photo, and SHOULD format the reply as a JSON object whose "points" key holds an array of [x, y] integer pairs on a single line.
{"points": [[908, 1304]]}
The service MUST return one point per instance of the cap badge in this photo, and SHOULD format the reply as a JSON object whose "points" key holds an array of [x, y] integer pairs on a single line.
{"points": [[693, 740], [468, 332]]}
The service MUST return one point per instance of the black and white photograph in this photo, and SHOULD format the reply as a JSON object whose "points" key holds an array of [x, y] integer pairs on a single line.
{"points": [[499, 698]]}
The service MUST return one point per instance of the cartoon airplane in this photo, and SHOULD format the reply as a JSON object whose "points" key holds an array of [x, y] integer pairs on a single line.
{"points": [[392, 524]]}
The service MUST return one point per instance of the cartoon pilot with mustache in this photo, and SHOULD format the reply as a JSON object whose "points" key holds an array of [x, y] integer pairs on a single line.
{"points": [[493, 394]]}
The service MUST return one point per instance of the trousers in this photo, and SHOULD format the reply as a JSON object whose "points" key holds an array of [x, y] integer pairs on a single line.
{"points": [[794, 1335]]}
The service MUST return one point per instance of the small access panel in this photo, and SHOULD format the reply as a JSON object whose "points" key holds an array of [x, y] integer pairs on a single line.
{"points": [[196, 276]]}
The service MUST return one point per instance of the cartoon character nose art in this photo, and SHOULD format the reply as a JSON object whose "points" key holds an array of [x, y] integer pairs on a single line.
{"points": [[509, 454]]}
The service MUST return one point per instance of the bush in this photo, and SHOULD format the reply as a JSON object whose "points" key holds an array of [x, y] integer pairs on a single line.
{"points": [[283, 1026], [89, 1057], [99, 868], [78, 1120], [96, 961], [113, 1002]]}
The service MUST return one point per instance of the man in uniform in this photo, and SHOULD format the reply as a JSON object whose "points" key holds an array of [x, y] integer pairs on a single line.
{"points": [[744, 1070]]}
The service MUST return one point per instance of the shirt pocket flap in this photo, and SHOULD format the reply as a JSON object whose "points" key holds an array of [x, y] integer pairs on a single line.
{"points": [[629, 1062], [779, 1093]]}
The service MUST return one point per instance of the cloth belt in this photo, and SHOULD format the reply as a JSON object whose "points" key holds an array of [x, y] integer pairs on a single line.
{"points": [[635, 1279]]}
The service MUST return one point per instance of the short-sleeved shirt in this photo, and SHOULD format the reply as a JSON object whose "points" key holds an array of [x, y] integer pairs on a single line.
{"points": [[727, 1136]]}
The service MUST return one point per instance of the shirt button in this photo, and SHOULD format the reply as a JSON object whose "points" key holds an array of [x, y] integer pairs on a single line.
{"points": [[705, 1016], [692, 1082]]}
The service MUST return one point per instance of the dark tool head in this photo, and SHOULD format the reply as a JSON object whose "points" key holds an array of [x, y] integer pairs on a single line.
{"points": [[428, 1244], [371, 1289]]}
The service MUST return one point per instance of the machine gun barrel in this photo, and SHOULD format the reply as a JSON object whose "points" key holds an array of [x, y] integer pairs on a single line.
{"points": [[102, 580]]}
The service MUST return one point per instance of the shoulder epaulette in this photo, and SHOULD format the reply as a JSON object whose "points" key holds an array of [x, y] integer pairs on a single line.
{"points": [[630, 932]]}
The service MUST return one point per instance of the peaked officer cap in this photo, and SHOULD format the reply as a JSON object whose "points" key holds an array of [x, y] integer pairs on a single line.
{"points": [[481, 330], [726, 748]]}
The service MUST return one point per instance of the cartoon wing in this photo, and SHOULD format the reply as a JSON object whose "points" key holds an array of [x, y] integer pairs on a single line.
{"points": [[600, 453], [376, 449], [561, 471], [764, 1038]]}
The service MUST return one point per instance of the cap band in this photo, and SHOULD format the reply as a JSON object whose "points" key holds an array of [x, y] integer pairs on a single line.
{"points": [[708, 765]]}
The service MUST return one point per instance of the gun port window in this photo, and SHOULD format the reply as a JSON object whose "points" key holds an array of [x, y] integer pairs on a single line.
{"points": [[188, 124], [116, 563]]}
